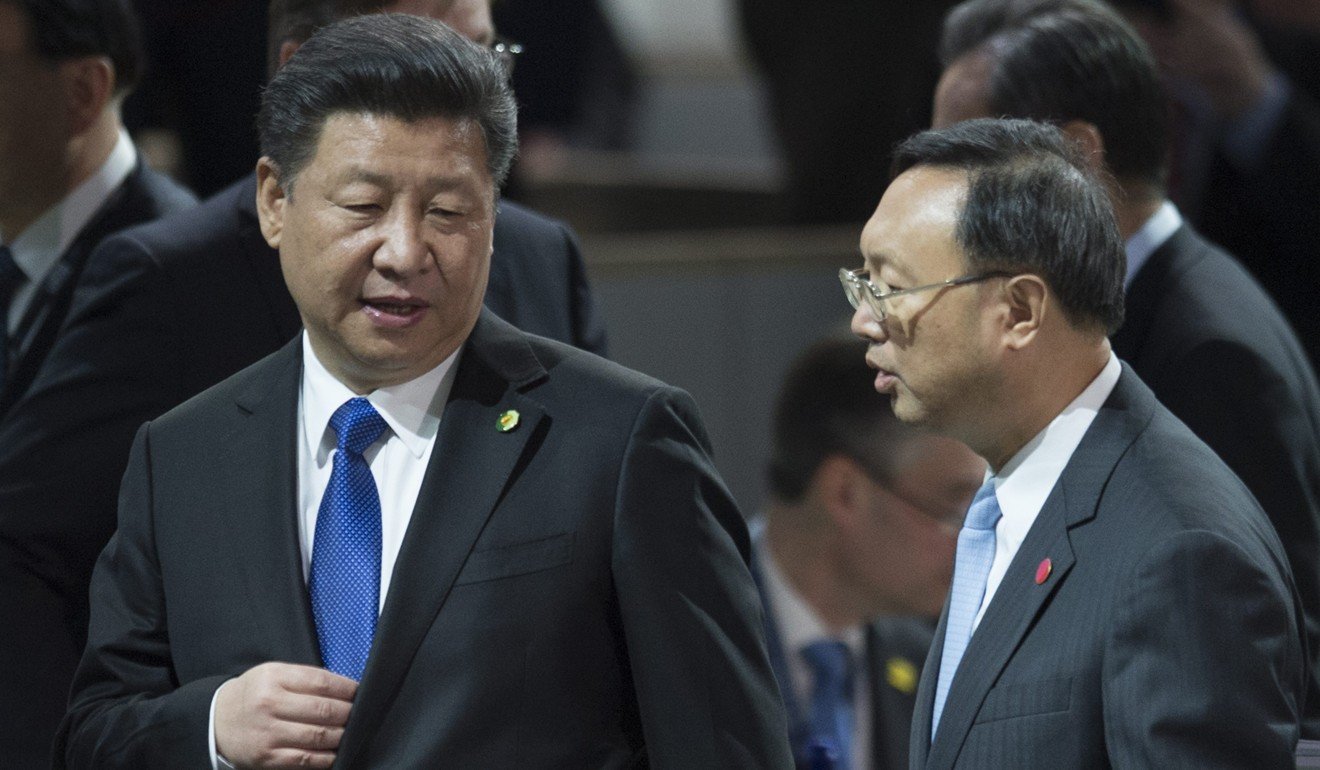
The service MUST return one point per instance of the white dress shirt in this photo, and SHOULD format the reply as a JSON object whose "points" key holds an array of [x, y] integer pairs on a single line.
{"points": [[799, 626], [39, 247], [1027, 479], [398, 459], [1153, 233]]}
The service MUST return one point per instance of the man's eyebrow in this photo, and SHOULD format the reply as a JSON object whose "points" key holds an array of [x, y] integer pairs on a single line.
{"points": [[436, 183]]}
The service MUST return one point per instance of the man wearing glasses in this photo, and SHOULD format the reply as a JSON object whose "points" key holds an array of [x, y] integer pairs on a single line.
{"points": [[1118, 597], [855, 557]]}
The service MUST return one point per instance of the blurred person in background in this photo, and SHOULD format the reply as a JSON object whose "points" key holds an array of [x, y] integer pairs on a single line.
{"points": [[847, 80], [1245, 90], [1199, 330], [854, 557], [69, 177]]}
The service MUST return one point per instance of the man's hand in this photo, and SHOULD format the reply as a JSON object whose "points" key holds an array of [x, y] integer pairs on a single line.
{"points": [[282, 715]]}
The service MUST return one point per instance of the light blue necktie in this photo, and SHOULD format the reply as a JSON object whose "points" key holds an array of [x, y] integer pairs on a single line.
{"points": [[345, 573], [831, 718], [10, 277], [976, 552]]}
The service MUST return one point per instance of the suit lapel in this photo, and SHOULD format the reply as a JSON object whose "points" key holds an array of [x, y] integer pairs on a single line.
{"points": [[36, 331], [471, 467], [1019, 600], [263, 501]]}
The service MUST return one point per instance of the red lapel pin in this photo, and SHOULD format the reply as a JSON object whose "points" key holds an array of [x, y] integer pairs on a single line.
{"points": [[1043, 571]]}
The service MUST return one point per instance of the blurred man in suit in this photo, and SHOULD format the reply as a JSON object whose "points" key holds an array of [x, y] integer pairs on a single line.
{"points": [[1118, 598], [69, 177], [164, 311], [416, 536], [1199, 330], [1245, 92], [855, 558]]}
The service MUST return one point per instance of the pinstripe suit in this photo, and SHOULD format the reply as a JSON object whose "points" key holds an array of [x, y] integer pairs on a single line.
{"points": [[1166, 635]]}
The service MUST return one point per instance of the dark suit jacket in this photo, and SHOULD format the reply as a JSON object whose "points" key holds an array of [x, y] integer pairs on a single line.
{"points": [[573, 593], [1217, 352], [143, 196], [162, 312], [896, 643], [38, 646], [1165, 635]]}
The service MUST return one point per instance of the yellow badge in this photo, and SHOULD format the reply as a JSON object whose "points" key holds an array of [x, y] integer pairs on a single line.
{"points": [[508, 421], [901, 675]]}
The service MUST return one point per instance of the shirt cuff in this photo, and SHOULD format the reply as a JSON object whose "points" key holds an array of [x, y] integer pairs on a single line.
{"points": [[217, 762], [1247, 137]]}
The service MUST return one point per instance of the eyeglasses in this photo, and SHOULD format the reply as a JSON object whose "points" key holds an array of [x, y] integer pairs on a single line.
{"points": [[506, 51], [857, 284]]}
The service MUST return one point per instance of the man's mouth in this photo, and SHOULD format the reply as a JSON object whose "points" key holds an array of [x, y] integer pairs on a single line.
{"points": [[393, 312]]}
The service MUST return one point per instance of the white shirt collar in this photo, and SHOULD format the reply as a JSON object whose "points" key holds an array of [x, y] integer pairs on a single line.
{"points": [[798, 623], [38, 248], [1026, 480], [1159, 228], [411, 409]]}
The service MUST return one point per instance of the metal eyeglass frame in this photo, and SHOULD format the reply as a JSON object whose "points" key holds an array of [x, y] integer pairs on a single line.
{"points": [[854, 280]]}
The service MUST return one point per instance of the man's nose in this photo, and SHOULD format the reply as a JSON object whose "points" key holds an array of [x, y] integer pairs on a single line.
{"points": [[403, 251], [865, 325]]}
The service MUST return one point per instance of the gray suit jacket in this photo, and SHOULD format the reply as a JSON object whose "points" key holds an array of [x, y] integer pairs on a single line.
{"points": [[1167, 634]]}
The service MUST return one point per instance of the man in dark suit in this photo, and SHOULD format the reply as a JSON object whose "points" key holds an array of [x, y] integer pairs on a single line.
{"points": [[1246, 95], [505, 552], [1199, 330], [69, 177], [855, 557], [1118, 597], [162, 312]]}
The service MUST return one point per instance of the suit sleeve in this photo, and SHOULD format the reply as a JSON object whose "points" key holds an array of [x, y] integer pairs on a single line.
{"points": [[127, 709], [691, 616], [1203, 666]]}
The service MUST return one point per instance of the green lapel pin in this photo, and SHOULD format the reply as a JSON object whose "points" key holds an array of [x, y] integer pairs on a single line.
{"points": [[508, 421]]}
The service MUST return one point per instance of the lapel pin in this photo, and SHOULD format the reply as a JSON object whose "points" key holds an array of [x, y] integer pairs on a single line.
{"points": [[901, 674], [508, 421], [1043, 571]]}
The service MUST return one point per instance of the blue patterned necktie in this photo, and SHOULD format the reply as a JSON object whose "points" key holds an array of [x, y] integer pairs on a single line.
{"points": [[345, 573], [10, 277], [831, 718], [976, 552]]}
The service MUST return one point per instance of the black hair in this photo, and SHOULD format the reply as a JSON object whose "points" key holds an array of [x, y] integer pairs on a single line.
{"points": [[401, 66], [1033, 204], [298, 20], [828, 406], [1062, 60], [69, 29]]}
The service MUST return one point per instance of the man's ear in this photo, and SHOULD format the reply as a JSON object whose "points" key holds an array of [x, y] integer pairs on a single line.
{"points": [[1086, 136], [287, 49], [271, 200], [840, 487], [89, 83], [1028, 301]]}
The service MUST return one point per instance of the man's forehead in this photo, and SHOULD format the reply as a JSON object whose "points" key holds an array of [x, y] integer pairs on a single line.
{"points": [[921, 204], [963, 92]]}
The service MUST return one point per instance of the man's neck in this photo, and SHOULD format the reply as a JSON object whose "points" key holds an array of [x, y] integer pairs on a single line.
{"points": [[805, 562], [1067, 374], [80, 159], [1134, 206]]}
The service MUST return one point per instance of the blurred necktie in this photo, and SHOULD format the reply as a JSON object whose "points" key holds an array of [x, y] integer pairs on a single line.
{"points": [[831, 719], [10, 278], [345, 573], [976, 552]]}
